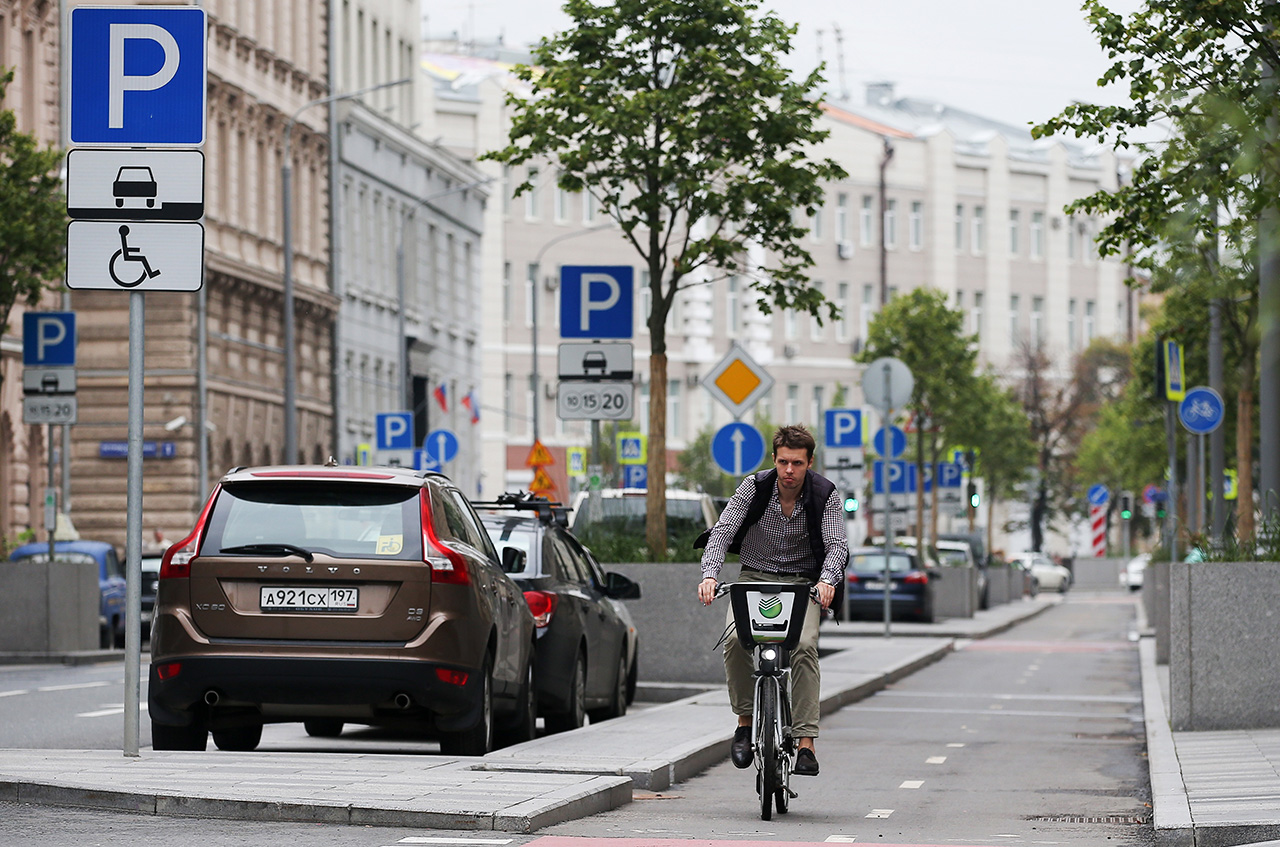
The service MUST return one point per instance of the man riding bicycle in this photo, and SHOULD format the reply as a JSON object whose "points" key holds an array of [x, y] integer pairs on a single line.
{"points": [[799, 537]]}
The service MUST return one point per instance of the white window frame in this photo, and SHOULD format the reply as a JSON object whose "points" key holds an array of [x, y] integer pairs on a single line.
{"points": [[1015, 224], [1037, 235], [978, 231], [915, 226], [976, 312], [531, 197], [842, 216], [1015, 306], [959, 221], [891, 224], [866, 221], [842, 300]]}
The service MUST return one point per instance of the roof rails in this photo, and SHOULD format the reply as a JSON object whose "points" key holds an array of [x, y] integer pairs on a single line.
{"points": [[546, 510]]}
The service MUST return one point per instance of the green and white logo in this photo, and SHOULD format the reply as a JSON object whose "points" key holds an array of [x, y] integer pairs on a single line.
{"points": [[770, 606]]}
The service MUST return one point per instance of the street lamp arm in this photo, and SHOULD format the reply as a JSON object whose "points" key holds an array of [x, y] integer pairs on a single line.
{"points": [[537, 260], [288, 127]]}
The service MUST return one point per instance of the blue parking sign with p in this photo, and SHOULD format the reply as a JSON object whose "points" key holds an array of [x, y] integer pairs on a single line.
{"points": [[49, 339], [394, 431], [137, 76], [844, 428], [596, 301]]}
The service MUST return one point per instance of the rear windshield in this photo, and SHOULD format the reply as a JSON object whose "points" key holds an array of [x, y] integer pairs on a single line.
{"points": [[956, 558], [345, 520], [628, 513], [871, 562]]}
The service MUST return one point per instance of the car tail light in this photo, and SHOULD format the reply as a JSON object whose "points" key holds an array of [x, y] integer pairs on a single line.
{"points": [[447, 564], [543, 605], [168, 670], [176, 562], [853, 579], [916, 578], [452, 677]]}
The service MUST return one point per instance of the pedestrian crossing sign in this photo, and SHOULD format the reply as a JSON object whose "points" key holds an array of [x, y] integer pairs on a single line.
{"points": [[539, 456]]}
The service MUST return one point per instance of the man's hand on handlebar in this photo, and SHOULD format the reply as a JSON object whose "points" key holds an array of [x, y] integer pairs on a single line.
{"points": [[707, 590], [826, 593]]}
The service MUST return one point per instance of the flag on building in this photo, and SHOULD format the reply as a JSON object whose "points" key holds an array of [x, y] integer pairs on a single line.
{"points": [[472, 405], [442, 397]]}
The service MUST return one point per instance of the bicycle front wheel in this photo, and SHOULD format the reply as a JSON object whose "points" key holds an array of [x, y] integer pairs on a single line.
{"points": [[767, 715]]}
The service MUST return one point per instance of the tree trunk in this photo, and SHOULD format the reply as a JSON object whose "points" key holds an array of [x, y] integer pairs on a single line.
{"points": [[1244, 462], [655, 501]]}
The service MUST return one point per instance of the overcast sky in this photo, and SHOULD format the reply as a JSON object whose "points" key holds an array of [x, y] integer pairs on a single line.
{"points": [[1018, 61]]}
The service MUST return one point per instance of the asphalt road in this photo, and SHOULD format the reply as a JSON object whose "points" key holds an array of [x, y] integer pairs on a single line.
{"points": [[1032, 737]]}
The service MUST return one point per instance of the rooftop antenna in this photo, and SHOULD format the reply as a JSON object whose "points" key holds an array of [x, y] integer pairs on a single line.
{"points": [[844, 84]]}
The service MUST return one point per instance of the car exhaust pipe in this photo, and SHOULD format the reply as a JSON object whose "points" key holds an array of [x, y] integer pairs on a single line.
{"points": [[211, 697], [403, 701]]}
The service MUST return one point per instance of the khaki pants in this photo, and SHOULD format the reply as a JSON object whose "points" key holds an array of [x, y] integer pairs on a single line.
{"points": [[806, 679]]}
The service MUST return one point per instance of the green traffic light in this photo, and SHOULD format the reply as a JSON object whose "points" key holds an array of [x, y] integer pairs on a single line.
{"points": [[974, 499], [851, 504], [1125, 514]]}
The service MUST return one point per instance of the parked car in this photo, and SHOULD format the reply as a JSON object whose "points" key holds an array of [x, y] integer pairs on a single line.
{"points": [[910, 592], [1134, 573], [111, 609], [150, 584], [1047, 575], [623, 510], [329, 595], [586, 648]]}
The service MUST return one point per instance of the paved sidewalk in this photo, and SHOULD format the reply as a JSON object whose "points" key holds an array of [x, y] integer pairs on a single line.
{"points": [[1209, 789], [518, 789]]}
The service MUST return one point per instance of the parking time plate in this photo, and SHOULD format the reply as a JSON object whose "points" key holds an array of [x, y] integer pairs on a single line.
{"points": [[292, 599]]}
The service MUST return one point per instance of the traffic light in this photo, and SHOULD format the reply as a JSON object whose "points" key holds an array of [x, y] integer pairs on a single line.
{"points": [[973, 495], [1125, 512], [1160, 510], [850, 503]]}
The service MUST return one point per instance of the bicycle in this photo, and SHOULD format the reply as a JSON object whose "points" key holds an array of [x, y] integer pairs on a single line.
{"points": [[768, 618]]}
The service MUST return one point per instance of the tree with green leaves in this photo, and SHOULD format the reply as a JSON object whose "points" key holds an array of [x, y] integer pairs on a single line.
{"points": [[920, 329], [33, 215], [679, 119], [1195, 202]]}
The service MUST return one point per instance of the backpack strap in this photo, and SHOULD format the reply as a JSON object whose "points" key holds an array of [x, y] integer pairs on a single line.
{"points": [[765, 481]]}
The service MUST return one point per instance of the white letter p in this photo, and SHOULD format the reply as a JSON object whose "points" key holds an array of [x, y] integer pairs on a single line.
{"points": [[118, 83]]}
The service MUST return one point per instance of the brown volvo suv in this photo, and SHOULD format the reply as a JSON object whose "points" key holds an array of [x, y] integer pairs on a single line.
{"points": [[329, 595]]}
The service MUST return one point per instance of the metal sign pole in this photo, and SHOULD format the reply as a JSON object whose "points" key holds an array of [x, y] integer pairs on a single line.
{"points": [[133, 531]]}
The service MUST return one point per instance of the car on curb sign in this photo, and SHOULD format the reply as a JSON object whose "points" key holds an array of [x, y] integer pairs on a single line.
{"points": [[910, 589], [111, 582], [587, 645], [329, 595]]}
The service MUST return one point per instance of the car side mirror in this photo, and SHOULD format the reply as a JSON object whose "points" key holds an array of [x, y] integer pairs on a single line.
{"points": [[620, 587], [513, 559]]}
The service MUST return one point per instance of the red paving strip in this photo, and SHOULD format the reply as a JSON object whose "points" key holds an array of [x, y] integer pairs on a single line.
{"points": [[1047, 646], [579, 841]]}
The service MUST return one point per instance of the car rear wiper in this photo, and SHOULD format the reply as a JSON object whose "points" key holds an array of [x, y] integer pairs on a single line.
{"points": [[276, 549]]}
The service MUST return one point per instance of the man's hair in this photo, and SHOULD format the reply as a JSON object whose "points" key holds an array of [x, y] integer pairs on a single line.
{"points": [[795, 437]]}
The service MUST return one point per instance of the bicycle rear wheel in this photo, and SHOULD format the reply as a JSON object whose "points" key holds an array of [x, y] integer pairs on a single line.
{"points": [[767, 715]]}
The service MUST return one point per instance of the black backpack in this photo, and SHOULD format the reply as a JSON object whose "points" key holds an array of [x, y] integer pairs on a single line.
{"points": [[817, 490]]}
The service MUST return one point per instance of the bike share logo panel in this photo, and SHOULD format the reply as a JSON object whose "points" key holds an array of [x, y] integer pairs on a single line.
{"points": [[770, 615], [137, 256]]}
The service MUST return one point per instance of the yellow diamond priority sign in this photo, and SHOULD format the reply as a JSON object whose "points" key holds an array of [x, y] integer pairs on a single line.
{"points": [[738, 382]]}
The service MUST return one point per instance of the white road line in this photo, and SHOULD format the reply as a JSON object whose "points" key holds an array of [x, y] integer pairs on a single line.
{"points": [[841, 839], [427, 839], [15, 693], [880, 813], [956, 744], [935, 760], [911, 783], [98, 684], [110, 709]]}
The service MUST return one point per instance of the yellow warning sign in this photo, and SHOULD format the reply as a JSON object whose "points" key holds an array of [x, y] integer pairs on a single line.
{"points": [[539, 456], [738, 381], [542, 483]]}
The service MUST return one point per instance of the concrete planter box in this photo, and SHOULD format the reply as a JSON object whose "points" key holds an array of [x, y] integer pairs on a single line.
{"points": [[49, 608], [955, 592], [998, 586], [1224, 630]]}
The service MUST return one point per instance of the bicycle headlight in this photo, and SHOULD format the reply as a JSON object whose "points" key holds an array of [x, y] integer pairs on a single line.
{"points": [[769, 654]]}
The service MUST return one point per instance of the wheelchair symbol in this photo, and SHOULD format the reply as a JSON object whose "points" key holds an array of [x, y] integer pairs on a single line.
{"points": [[130, 254]]}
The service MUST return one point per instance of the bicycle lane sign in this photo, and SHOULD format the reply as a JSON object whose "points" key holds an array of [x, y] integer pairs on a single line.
{"points": [[135, 256]]}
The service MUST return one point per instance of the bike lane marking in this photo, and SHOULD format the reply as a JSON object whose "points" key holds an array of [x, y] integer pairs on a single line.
{"points": [[15, 692], [73, 686]]}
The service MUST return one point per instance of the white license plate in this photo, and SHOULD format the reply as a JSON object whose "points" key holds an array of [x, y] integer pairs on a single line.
{"points": [[282, 599], [875, 585]]}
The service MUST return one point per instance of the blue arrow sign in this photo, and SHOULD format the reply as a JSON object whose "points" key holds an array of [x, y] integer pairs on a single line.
{"points": [[1099, 495], [1201, 411], [897, 444], [738, 448], [137, 76], [441, 446], [844, 428], [393, 431]]}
